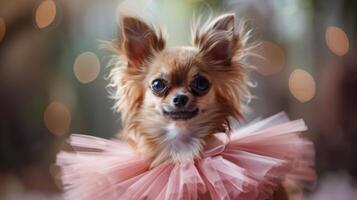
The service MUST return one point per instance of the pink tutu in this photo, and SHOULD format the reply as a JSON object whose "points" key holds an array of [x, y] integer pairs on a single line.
{"points": [[246, 166]]}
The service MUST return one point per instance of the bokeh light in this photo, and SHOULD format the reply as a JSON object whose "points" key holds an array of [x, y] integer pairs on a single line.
{"points": [[86, 67], [57, 118], [2, 29], [302, 85], [270, 59], [63, 92], [45, 13], [337, 40]]}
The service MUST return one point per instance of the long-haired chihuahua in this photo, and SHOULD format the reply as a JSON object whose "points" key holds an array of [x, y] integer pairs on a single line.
{"points": [[173, 99]]}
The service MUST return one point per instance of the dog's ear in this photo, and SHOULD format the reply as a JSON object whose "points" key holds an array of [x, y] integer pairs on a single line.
{"points": [[138, 40], [217, 40]]}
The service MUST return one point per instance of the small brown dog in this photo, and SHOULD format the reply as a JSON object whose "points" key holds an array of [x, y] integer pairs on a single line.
{"points": [[177, 106], [172, 100]]}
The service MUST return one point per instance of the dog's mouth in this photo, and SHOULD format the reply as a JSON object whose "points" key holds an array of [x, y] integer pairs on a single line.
{"points": [[182, 114]]}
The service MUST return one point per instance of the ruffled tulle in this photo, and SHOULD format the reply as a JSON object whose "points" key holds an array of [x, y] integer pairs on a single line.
{"points": [[246, 166]]}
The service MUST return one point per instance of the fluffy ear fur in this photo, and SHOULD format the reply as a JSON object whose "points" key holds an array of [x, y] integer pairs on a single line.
{"points": [[224, 47], [217, 40], [138, 40]]}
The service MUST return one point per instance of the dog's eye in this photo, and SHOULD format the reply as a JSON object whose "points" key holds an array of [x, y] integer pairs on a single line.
{"points": [[159, 86], [199, 85]]}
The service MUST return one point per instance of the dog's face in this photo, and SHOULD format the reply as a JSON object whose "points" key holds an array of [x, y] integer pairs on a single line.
{"points": [[179, 87], [173, 99]]}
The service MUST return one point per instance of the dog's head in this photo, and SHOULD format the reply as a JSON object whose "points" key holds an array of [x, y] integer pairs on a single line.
{"points": [[177, 97]]}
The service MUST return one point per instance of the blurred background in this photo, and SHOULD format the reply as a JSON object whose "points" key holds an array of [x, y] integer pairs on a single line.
{"points": [[52, 79]]}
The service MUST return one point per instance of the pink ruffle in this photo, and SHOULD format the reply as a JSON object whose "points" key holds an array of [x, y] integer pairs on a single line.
{"points": [[247, 166]]}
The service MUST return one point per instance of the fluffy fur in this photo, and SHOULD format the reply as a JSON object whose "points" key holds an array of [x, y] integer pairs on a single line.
{"points": [[218, 53]]}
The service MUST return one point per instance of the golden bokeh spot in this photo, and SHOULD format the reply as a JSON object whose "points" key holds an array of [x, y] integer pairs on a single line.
{"points": [[270, 58], [337, 40], [57, 118], [302, 85], [45, 13], [2, 29], [86, 67]]}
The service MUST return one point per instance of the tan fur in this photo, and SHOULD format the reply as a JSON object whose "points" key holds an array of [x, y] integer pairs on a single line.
{"points": [[217, 52]]}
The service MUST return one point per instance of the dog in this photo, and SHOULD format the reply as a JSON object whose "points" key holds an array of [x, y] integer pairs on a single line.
{"points": [[173, 99], [175, 103]]}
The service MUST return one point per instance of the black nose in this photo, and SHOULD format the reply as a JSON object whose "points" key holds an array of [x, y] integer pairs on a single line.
{"points": [[180, 100]]}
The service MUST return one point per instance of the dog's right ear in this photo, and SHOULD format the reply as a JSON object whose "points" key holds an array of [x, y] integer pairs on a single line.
{"points": [[138, 40]]}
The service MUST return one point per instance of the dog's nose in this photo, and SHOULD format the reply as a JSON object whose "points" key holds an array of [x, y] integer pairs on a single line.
{"points": [[180, 100]]}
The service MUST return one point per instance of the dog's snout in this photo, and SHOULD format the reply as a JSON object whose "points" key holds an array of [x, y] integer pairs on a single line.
{"points": [[180, 100]]}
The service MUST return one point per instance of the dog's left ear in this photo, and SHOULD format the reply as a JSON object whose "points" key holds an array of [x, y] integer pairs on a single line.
{"points": [[217, 41]]}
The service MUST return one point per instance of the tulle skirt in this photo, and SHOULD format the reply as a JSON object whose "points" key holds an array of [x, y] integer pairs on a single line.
{"points": [[248, 165]]}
